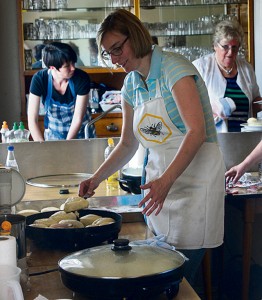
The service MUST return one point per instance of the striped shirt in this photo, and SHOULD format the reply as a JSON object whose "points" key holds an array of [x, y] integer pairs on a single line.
{"points": [[240, 115], [168, 68]]}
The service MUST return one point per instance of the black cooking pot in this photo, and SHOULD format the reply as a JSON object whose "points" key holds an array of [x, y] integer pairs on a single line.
{"points": [[72, 239], [130, 180], [123, 271]]}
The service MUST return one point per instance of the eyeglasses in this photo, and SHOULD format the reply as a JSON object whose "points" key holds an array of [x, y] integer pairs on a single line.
{"points": [[226, 48], [117, 51]]}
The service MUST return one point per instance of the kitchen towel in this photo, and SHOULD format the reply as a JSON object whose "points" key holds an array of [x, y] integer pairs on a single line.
{"points": [[7, 250]]}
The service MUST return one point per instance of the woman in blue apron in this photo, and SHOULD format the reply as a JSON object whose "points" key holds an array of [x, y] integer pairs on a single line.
{"points": [[166, 108], [63, 90]]}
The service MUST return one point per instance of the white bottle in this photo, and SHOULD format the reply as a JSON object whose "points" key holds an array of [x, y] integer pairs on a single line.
{"points": [[10, 160], [4, 131], [111, 182]]}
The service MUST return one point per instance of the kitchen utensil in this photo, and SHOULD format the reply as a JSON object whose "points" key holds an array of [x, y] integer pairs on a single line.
{"points": [[74, 238], [130, 180], [12, 189], [123, 271]]}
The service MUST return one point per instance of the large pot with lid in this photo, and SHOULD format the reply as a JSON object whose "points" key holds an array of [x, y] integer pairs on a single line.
{"points": [[123, 271]]}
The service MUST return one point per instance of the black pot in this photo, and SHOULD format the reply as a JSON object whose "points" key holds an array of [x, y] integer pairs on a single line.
{"points": [[123, 271], [130, 180], [72, 239]]}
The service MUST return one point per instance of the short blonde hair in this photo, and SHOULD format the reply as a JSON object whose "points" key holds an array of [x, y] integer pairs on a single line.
{"points": [[128, 24], [229, 30]]}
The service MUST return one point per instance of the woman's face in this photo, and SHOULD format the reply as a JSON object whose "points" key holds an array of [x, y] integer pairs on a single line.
{"points": [[117, 48], [67, 70], [226, 52]]}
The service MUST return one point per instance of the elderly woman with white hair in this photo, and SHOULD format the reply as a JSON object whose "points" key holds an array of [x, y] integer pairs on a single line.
{"points": [[230, 79]]}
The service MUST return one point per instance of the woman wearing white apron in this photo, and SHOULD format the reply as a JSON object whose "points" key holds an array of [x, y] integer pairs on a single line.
{"points": [[166, 108]]}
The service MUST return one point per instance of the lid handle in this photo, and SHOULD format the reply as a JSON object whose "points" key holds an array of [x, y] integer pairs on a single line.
{"points": [[120, 245]]}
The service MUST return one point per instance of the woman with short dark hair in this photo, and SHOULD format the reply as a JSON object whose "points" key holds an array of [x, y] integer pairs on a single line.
{"points": [[63, 89]]}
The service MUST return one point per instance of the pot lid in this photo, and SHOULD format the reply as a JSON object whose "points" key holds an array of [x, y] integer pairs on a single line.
{"points": [[122, 260], [58, 180]]}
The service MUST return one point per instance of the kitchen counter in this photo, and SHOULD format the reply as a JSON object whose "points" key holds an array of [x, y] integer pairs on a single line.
{"points": [[50, 286]]}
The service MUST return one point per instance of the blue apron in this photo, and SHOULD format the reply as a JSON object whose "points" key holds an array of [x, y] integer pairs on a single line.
{"points": [[58, 116]]}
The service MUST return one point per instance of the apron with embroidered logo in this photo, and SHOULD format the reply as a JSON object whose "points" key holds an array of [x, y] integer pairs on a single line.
{"points": [[192, 216], [58, 117]]}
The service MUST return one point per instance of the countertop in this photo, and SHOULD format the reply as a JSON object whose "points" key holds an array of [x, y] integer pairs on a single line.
{"points": [[50, 286]]}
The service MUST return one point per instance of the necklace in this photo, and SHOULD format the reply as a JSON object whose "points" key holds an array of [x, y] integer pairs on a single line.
{"points": [[227, 71]]}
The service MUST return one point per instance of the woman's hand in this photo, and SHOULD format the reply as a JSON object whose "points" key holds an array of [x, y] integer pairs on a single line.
{"points": [[154, 200], [234, 173], [87, 187]]}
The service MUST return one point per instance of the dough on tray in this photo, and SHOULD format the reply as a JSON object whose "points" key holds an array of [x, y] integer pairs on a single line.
{"points": [[75, 203]]}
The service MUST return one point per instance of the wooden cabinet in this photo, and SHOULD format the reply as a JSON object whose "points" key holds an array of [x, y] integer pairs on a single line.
{"points": [[109, 126]]}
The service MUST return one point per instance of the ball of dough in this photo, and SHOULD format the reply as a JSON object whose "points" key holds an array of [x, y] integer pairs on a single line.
{"points": [[45, 221], [103, 221], [251, 121], [73, 223], [75, 203], [89, 219], [28, 212], [49, 208], [62, 215]]}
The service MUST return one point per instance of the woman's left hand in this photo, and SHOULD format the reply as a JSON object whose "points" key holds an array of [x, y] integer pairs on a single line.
{"points": [[154, 200]]}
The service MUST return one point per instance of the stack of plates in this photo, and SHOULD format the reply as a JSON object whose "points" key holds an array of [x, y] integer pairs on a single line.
{"points": [[251, 127]]}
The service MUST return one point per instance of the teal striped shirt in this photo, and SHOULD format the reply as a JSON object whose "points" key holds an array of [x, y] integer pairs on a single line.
{"points": [[168, 68]]}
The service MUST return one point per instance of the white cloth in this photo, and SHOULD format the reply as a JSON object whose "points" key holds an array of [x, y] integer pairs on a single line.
{"points": [[192, 216], [216, 83]]}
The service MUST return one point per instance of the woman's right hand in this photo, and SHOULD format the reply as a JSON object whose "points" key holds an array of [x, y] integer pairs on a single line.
{"points": [[234, 173], [87, 187]]}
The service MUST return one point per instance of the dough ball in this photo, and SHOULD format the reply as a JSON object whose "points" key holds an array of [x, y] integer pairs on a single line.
{"points": [[45, 221], [75, 203], [72, 223], [28, 212], [62, 215], [89, 219], [251, 121], [57, 225], [49, 208], [39, 225], [103, 221]]}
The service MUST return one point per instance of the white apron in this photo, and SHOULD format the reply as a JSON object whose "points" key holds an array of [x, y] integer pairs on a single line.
{"points": [[192, 216]]}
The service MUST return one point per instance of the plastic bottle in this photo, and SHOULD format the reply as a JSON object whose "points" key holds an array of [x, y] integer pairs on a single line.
{"points": [[10, 160], [111, 182], [4, 131], [21, 134], [10, 135]]}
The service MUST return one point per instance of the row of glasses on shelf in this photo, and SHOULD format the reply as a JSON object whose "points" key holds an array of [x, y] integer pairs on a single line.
{"points": [[191, 53], [44, 4], [50, 29], [120, 3], [148, 3], [202, 25]]}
